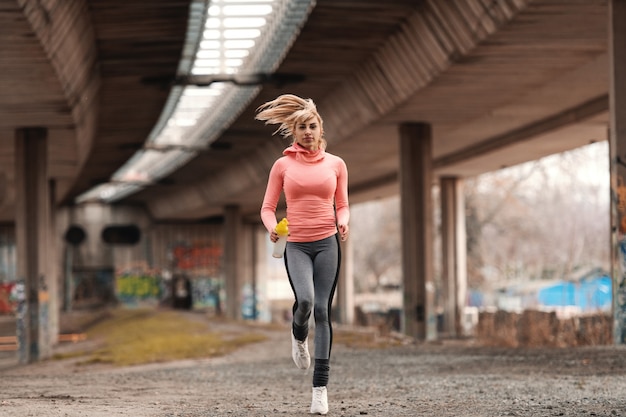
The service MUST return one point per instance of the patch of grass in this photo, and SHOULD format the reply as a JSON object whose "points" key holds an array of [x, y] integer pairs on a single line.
{"points": [[133, 337], [70, 355], [367, 338]]}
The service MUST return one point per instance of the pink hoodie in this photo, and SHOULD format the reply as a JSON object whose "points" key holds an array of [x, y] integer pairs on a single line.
{"points": [[312, 181]]}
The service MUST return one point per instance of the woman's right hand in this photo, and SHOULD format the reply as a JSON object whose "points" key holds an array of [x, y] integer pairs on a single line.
{"points": [[273, 236]]}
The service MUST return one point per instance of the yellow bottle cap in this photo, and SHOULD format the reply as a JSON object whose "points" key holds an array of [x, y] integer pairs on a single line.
{"points": [[281, 227]]}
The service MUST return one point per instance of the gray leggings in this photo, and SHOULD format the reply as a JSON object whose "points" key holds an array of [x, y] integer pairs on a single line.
{"points": [[313, 270]]}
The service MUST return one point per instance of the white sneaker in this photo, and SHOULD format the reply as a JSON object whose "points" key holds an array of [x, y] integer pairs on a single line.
{"points": [[300, 353], [319, 404]]}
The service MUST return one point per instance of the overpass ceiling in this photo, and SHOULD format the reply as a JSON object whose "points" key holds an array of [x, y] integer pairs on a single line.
{"points": [[76, 68], [518, 81], [501, 82]]}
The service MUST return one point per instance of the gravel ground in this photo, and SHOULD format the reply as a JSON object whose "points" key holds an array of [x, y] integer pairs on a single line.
{"points": [[449, 378]]}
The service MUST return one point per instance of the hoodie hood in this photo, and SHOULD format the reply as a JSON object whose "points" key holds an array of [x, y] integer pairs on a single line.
{"points": [[304, 155]]}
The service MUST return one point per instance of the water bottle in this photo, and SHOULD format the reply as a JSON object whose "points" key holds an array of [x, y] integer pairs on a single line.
{"points": [[279, 245]]}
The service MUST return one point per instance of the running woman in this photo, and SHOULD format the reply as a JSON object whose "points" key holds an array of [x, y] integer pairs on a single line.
{"points": [[315, 184]]}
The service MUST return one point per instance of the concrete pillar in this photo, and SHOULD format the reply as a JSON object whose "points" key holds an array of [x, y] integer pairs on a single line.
{"points": [[54, 268], [247, 280], [254, 269], [233, 254], [454, 255], [263, 311], [617, 140], [345, 286], [32, 228], [417, 230]]}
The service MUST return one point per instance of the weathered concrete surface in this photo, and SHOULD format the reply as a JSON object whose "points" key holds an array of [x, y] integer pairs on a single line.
{"points": [[436, 379], [532, 328]]}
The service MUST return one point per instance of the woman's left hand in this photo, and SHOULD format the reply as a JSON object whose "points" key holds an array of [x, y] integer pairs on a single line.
{"points": [[343, 232]]}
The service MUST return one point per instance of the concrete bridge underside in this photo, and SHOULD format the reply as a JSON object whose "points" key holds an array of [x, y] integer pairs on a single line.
{"points": [[412, 92]]}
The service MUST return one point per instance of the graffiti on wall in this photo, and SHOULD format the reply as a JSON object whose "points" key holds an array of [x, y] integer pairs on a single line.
{"points": [[202, 262], [92, 287], [206, 293], [197, 256], [8, 303], [133, 288], [620, 293], [620, 285], [137, 282], [143, 288], [153, 288]]}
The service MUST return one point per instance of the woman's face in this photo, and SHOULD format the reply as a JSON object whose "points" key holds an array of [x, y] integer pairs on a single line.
{"points": [[308, 134]]}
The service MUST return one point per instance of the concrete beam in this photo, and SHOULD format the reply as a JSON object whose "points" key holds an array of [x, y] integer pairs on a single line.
{"points": [[406, 63], [576, 114], [65, 32]]}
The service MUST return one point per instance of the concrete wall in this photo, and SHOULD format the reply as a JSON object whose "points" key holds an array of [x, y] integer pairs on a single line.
{"points": [[95, 272]]}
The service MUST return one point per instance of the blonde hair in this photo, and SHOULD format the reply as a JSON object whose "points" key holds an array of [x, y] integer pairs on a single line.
{"points": [[287, 111]]}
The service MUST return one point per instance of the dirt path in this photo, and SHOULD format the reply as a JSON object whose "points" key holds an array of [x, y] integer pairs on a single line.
{"points": [[444, 379]]}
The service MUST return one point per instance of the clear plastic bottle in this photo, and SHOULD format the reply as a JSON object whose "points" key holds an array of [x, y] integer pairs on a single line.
{"points": [[282, 230]]}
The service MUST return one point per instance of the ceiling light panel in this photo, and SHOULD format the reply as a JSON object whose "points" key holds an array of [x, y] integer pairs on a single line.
{"points": [[225, 38]]}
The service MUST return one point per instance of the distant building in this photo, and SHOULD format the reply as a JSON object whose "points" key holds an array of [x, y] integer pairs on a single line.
{"points": [[590, 292]]}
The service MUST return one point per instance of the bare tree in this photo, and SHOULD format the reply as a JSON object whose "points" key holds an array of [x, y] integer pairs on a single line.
{"points": [[376, 233], [544, 219]]}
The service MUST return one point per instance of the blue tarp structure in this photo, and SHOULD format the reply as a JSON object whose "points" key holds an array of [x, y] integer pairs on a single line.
{"points": [[592, 293]]}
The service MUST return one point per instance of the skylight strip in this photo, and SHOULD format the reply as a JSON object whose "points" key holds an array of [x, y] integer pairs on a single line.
{"points": [[271, 48], [198, 10], [181, 126]]}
